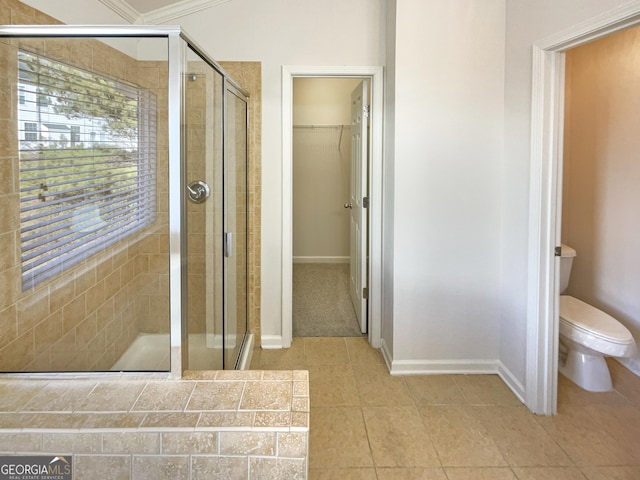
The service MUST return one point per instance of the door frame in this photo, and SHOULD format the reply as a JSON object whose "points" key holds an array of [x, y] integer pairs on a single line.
{"points": [[375, 74], [545, 202]]}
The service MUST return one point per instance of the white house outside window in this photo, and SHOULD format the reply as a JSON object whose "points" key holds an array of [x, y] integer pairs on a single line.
{"points": [[80, 191]]}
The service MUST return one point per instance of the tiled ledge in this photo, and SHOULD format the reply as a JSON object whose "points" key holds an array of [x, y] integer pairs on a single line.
{"points": [[252, 422]]}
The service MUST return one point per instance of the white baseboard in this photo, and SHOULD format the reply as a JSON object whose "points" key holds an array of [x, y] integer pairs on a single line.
{"points": [[433, 367], [460, 367], [270, 342], [512, 382], [321, 259]]}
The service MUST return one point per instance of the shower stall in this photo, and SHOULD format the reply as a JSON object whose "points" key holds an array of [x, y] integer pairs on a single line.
{"points": [[123, 203]]}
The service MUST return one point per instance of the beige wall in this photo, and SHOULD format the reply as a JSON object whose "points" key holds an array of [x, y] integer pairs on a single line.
{"points": [[321, 168], [85, 318], [601, 192]]}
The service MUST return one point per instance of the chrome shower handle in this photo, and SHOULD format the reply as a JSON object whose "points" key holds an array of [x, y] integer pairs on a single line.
{"points": [[199, 191]]}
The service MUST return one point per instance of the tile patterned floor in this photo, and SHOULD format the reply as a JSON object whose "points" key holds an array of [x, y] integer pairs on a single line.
{"points": [[368, 425]]}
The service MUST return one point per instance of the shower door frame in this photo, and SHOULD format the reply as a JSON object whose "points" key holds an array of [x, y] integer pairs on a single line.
{"points": [[178, 44]]}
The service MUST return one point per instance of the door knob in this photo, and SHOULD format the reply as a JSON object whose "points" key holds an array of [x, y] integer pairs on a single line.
{"points": [[348, 205], [198, 191]]}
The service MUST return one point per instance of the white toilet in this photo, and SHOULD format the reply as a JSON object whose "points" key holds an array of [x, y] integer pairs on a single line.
{"points": [[587, 335]]}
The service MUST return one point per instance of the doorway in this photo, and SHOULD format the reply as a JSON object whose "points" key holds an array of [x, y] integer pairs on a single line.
{"points": [[330, 158], [374, 243], [548, 84]]}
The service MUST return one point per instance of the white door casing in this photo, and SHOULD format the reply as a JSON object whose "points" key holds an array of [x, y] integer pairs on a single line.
{"points": [[545, 198], [358, 212], [375, 75]]}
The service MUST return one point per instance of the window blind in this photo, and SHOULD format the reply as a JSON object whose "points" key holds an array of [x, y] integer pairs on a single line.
{"points": [[87, 164]]}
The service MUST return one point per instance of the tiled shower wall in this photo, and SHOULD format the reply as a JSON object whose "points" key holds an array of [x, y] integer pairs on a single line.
{"points": [[85, 318]]}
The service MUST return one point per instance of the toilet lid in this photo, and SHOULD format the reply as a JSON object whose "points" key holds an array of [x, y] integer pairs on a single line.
{"points": [[589, 320]]}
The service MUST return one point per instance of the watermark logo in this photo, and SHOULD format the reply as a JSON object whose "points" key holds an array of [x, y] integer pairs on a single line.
{"points": [[36, 467]]}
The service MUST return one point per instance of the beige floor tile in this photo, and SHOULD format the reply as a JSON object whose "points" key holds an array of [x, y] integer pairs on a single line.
{"points": [[411, 474], [612, 473], [377, 388], [583, 438], [548, 473], [490, 473], [325, 351], [434, 390], [361, 352], [398, 437], [460, 438], [520, 439], [283, 358], [338, 438], [332, 386], [622, 422], [485, 390], [342, 474], [571, 394]]}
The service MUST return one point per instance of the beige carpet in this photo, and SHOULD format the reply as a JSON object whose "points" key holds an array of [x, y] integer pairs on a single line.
{"points": [[321, 303]]}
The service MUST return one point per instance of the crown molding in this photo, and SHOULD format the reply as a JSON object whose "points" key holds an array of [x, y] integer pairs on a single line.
{"points": [[122, 8], [177, 10]]}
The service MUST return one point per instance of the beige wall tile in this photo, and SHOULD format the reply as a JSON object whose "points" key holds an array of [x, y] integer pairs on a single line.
{"points": [[216, 396], [154, 468], [76, 443], [164, 396], [12, 443], [190, 443], [229, 468], [266, 395], [131, 442], [277, 468], [116, 467], [247, 443]]}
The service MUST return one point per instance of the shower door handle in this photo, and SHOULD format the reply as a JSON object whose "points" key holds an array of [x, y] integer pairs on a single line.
{"points": [[198, 191], [228, 244]]}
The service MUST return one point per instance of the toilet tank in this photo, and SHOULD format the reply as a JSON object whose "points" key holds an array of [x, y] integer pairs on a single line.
{"points": [[567, 255]]}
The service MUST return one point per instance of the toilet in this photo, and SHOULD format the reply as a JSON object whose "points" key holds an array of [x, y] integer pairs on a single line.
{"points": [[587, 335]]}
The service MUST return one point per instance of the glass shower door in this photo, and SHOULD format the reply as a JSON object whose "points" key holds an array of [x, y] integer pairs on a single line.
{"points": [[235, 224], [204, 191]]}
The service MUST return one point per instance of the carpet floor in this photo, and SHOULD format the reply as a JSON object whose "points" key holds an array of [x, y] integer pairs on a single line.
{"points": [[321, 303]]}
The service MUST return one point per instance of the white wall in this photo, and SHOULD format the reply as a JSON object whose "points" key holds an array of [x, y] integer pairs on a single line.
{"points": [[526, 23], [602, 174], [449, 70]]}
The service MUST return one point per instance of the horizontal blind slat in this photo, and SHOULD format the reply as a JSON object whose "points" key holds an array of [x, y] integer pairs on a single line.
{"points": [[87, 157]]}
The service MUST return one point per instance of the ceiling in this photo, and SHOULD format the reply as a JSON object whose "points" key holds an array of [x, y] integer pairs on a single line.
{"points": [[155, 12], [146, 6]]}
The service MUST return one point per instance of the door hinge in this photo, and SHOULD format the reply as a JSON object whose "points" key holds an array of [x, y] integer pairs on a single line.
{"points": [[365, 202], [366, 110], [365, 293], [558, 251]]}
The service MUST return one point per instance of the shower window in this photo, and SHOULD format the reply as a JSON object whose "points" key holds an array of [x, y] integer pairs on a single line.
{"points": [[87, 163]]}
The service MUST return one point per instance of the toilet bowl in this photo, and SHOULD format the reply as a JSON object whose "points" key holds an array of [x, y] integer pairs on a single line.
{"points": [[587, 335]]}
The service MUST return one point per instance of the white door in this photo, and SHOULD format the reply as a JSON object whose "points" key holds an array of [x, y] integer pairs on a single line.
{"points": [[358, 192]]}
